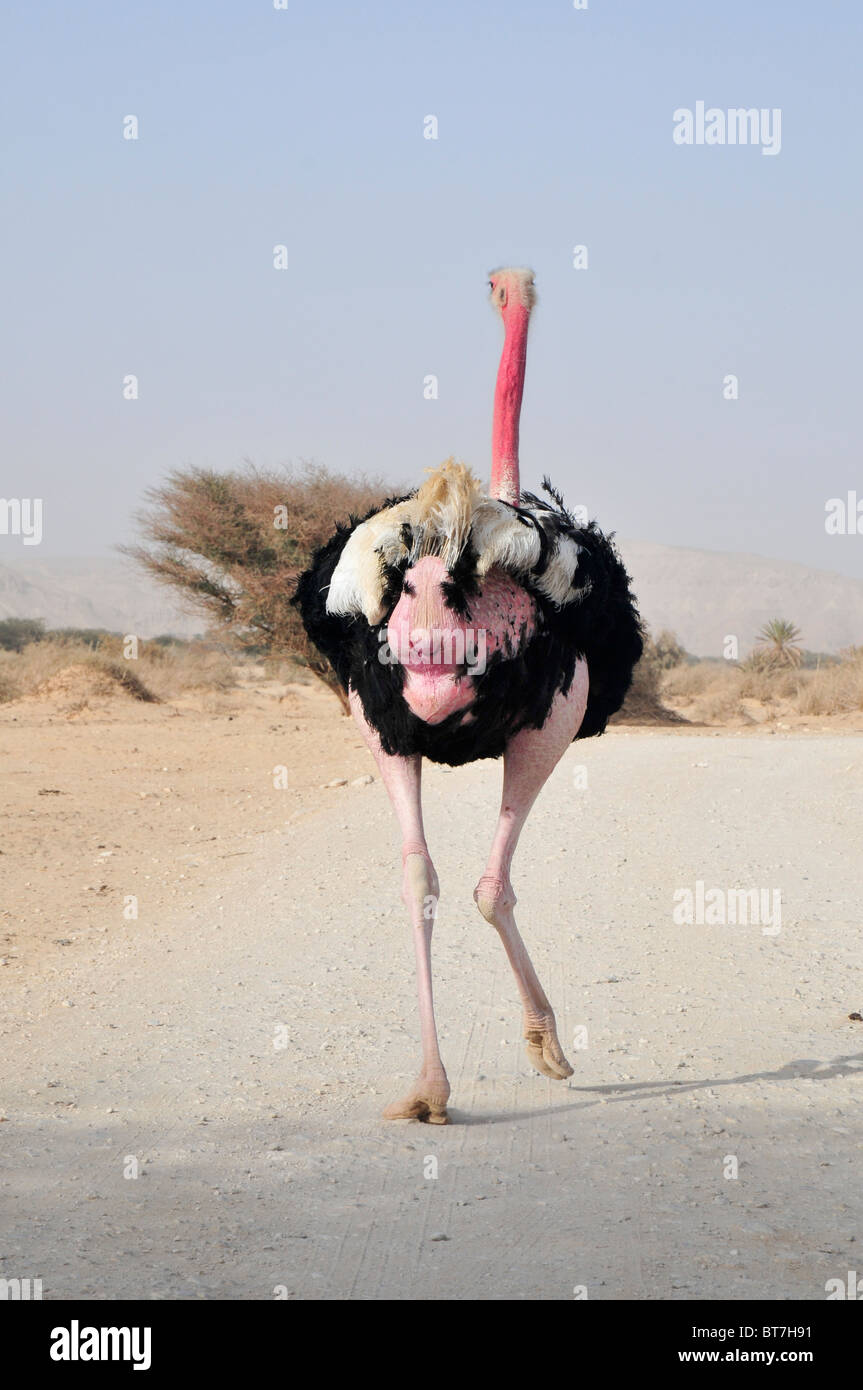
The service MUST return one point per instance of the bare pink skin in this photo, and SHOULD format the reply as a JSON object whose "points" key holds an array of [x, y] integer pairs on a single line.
{"points": [[528, 761], [422, 630], [401, 776], [508, 393]]}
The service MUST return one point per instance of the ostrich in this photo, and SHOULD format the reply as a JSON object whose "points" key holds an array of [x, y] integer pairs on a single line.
{"points": [[466, 624]]}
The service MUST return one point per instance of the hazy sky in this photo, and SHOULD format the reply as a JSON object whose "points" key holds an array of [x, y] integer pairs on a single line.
{"points": [[305, 127]]}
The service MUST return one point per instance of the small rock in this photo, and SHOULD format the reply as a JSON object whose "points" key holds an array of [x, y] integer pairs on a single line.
{"points": [[364, 781], [336, 782], [440, 1236]]}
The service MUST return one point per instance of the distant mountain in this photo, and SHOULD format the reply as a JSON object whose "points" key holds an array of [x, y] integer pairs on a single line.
{"points": [[110, 593], [701, 595], [705, 595]]}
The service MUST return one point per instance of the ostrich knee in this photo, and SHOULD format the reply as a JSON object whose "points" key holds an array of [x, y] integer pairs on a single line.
{"points": [[495, 899], [420, 888]]}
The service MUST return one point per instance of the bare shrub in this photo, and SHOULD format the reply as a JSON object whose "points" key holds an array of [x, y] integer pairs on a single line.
{"points": [[770, 683], [717, 692], [50, 668], [16, 633], [688, 682], [643, 703], [158, 673], [833, 689], [665, 652], [233, 546]]}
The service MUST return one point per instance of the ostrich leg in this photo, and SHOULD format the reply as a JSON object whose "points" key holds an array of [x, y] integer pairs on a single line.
{"points": [[427, 1098], [529, 759]]}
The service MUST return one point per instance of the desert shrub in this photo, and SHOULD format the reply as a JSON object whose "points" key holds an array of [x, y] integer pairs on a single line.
{"points": [[36, 665], [86, 636], [716, 690], [124, 676], [712, 688], [158, 673], [644, 703], [9, 688], [834, 689], [183, 668], [665, 652], [769, 682], [233, 546], [813, 661], [23, 672], [17, 633], [696, 678]]}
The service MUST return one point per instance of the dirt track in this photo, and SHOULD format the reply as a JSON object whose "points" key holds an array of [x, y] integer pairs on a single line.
{"points": [[239, 1043]]}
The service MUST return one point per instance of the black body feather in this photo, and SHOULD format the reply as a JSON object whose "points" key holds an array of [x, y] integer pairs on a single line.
{"points": [[514, 692]]}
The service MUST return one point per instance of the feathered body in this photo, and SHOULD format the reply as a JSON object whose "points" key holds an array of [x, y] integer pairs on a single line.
{"points": [[457, 617]]}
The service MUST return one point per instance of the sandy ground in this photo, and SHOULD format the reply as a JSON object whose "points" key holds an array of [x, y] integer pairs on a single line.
{"points": [[234, 1044]]}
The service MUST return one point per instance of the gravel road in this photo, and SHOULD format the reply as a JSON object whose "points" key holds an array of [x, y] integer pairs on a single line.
{"points": [[192, 1110]]}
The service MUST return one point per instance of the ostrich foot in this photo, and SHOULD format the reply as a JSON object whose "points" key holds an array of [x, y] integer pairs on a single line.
{"points": [[544, 1049], [425, 1101]]}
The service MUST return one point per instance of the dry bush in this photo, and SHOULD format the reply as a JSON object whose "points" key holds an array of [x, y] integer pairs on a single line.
{"points": [[175, 669], [717, 691], [770, 683], [233, 546], [644, 703], [9, 686], [711, 689], [158, 673], [170, 672], [40, 665], [287, 670], [833, 689], [688, 682], [664, 651], [22, 673], [16, 633]]}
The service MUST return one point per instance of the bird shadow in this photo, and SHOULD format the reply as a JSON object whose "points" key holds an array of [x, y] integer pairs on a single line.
{"points": [[802, 1068]]}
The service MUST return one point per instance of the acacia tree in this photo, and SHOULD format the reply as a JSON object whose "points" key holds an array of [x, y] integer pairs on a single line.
{"points": [[234, 544]]}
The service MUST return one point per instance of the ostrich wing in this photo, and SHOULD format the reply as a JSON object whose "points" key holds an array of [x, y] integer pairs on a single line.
{"points": [[450, 516]]}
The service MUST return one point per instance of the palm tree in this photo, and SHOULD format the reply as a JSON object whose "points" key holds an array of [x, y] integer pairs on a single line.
{"points": [[778, 641]]}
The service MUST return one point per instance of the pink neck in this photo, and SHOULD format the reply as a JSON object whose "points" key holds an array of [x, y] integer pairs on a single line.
{"points": [[507, 405]]}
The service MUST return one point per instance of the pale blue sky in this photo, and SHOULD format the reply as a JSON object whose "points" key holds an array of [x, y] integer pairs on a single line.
{"points": [[305, 127]]}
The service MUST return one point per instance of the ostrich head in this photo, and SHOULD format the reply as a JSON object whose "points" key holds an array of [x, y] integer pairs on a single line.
{"points": [[513, 295]]}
